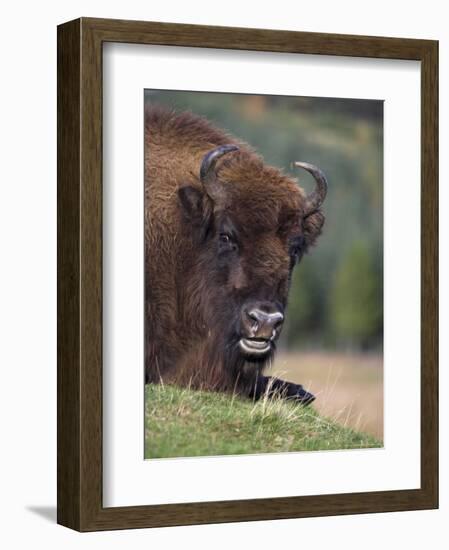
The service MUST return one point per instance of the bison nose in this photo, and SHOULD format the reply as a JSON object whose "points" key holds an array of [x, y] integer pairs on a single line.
{"points": [[262, 323]]}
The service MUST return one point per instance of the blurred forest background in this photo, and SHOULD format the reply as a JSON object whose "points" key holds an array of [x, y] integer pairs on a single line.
{"points": [[333, 336]]}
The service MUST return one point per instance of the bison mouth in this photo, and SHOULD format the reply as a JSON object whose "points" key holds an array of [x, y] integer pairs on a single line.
{"points": [[255, 347]]}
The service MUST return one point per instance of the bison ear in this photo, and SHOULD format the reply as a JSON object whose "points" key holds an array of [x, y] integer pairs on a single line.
{"points": [[312, 226], [192, 203]]}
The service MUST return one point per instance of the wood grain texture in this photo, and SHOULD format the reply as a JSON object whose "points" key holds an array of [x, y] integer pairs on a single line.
{"points": [[143, 32], [69, 407], [429, 271], [80, 274]]}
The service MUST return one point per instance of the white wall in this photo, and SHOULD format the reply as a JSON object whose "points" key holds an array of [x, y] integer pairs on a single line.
{"points": [[28, 272]]}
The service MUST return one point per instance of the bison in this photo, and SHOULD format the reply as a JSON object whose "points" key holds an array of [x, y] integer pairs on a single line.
{"points": [[223, 232]]}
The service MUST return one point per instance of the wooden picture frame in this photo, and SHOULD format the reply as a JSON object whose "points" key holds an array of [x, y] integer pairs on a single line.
{"points": [[80, 504]]}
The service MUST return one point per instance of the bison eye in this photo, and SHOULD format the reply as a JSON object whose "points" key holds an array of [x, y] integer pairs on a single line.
{"points": [[226, 243], [296, 251]]}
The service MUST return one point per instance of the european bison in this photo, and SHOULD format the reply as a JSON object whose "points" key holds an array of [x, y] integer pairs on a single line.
{"points": [[223, 232]]}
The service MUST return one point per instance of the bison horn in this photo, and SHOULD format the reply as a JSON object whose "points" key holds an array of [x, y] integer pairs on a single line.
{"points": [[315, 199], [207, 171]]}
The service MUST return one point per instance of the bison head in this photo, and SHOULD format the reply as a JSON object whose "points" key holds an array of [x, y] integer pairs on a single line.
{"points": [[250, 225]]}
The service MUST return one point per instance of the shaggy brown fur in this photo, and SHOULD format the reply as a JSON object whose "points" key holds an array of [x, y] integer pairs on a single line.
{"points": [[193, 292]]}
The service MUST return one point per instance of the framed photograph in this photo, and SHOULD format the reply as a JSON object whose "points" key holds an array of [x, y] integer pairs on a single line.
{"points": [[247, 274]]}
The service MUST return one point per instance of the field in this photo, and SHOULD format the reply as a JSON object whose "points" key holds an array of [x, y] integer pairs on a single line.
{"points": [[348, 386], [182, 422]]}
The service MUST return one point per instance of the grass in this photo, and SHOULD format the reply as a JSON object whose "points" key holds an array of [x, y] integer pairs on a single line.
{"points": [[348, 386], [180, 422]]}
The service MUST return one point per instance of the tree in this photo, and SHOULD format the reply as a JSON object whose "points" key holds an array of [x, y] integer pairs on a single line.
{"points": [[305, 306], [357, 301]]}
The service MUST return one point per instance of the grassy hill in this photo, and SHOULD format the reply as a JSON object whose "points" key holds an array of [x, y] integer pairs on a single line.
{"points": [[180, 422]]}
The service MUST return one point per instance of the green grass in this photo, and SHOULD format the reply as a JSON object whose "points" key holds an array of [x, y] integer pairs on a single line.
{"points": [[180, 422]]}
